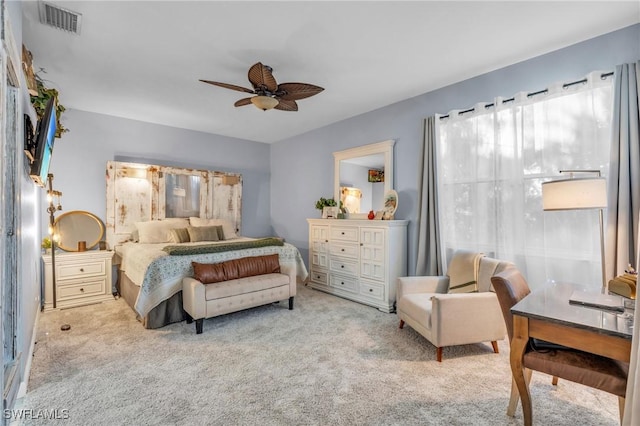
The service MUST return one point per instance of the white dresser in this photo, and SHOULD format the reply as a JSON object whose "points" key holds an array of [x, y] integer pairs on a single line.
{"points": [[82, 278], [358, 259]]}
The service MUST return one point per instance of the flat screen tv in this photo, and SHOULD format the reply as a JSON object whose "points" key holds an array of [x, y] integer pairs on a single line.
{"points": [[45, 137]]}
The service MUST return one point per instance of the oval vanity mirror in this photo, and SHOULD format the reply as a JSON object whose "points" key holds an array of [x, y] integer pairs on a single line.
{"points": [[362, 176], [77, 226]]}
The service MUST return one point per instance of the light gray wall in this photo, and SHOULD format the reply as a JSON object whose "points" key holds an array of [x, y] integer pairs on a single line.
{"points": [[302, 166], [30, 205], [80, 157]]}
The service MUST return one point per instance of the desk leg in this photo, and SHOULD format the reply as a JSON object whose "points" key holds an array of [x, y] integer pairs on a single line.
{"points": [[518, 347]]}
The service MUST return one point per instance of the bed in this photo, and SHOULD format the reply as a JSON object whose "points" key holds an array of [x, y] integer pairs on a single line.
{"points": [[151, 208], [150, 275]]}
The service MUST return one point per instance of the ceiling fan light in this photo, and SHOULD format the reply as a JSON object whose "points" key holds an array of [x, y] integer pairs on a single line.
{"points": [[264, 102]]}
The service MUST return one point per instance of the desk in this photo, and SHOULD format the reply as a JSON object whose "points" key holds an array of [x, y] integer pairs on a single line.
{"points": [[547, 315]]}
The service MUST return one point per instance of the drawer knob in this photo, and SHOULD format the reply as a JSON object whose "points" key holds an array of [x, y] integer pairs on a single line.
{"points": [[361, 244], [81, 290], [342, 266], [81, 269], [342, 250], [326, 241], [342, 233], [371, 290], [342, 282]]}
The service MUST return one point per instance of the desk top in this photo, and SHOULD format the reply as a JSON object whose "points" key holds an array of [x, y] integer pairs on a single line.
{"points": [[552, 304]]}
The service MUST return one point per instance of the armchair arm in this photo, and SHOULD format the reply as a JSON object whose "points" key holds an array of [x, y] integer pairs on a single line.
{"points": [[408, 285], [463, 318]]}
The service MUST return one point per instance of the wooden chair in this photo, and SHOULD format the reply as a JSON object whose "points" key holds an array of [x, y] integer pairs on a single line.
{"points": [[580, 367]]}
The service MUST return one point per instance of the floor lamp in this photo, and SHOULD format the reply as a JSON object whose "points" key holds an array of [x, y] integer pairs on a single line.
{"points": [[53, 196], [579, 194]]}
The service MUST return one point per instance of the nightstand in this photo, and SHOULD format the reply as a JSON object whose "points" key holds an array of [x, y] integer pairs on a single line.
{"points": [[82, 278]]}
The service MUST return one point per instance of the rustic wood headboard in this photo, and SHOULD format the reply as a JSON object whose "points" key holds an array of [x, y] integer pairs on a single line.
{"points": [[138, 192]]}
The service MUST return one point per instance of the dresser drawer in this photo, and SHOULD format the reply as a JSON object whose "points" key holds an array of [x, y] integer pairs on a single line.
{"points": [[343, 266], [372, 290], [91, 268], [344, 283], [344, 249], [81, 288], [318, 277], [344, 234]]}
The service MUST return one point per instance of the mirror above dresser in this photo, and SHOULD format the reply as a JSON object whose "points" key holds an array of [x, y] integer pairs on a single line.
{"points": [[362, 175]]}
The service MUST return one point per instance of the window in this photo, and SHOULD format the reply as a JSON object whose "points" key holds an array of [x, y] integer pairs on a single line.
{"points": [[491, 164]]}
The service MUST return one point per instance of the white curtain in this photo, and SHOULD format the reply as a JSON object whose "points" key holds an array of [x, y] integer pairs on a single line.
{"points": [[491, 162]]}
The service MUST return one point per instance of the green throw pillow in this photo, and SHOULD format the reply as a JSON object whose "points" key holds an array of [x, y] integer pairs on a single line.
{"points": [[205, 233], [179, 235]]}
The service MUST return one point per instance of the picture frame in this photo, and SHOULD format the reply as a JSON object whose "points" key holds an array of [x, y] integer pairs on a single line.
{"points": [[390, 205], [330, 212], [376, 175]]}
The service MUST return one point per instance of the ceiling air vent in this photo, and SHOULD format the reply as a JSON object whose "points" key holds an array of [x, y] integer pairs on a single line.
{"points": [[57, 17]]}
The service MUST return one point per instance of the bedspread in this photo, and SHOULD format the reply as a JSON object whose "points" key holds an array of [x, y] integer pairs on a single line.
{"points": [[159, 275]]}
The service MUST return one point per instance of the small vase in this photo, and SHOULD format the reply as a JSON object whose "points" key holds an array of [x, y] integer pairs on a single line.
{"points": [[371, 215]]}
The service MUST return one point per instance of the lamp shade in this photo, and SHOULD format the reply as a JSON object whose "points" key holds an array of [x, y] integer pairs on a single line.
{"points": [[264, 102], [575, 194]]}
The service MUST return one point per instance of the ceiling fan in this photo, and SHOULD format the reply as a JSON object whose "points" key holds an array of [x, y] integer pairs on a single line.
{"points": [[270, 94]]}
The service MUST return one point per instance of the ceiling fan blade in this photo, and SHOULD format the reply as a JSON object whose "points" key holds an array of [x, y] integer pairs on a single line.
{"points": [[243, 102], [286, 105], [261, 78], [295, 91], [229, 86]]}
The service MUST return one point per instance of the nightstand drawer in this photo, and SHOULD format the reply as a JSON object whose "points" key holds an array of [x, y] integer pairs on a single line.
{"points": [[85, 269], [81, 288], [81, 278]]}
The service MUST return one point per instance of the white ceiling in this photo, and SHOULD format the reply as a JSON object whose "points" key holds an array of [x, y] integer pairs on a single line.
{"points": [[142, 59]]}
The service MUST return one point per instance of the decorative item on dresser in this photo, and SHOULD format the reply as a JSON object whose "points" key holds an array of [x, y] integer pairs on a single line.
{"points": [[82, 278], [358, 259]]}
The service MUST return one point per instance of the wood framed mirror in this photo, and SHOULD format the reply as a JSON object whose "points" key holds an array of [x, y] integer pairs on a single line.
{"points": [[362, 175], [78, 225]]}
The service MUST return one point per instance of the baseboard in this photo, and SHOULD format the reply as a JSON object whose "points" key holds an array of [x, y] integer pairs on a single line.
{"points": [[27, 368]]}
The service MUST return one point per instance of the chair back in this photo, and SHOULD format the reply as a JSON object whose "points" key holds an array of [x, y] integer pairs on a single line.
{"points": [[510, 287], [463, 271]]}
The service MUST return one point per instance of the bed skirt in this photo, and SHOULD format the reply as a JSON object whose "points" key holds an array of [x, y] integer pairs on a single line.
{"points": [[167, 312]]}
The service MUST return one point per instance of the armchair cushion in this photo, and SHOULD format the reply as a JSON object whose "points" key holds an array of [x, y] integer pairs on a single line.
{"points": [[463, 272]]}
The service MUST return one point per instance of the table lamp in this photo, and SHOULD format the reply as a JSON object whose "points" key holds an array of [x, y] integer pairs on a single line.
{"points": [[579, 194]]}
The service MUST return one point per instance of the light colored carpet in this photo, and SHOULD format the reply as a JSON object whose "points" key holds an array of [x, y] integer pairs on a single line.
{"points": [[328, 362]]}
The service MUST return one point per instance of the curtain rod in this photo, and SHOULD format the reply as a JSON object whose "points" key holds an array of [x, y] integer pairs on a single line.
{"points": [[539, 92]]}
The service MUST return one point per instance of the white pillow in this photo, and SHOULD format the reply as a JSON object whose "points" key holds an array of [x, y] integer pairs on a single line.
{"points": [[227, 227], [157, 231]]}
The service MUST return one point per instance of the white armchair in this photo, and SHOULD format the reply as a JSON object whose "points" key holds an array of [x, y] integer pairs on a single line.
{"points": [[433, 308]]}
